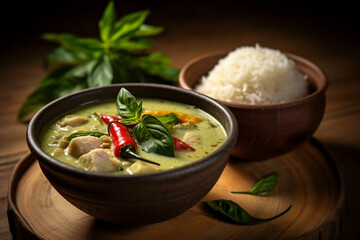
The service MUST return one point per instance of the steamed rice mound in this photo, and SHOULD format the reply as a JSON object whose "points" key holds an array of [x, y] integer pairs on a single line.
{"points": [[254, 75]]}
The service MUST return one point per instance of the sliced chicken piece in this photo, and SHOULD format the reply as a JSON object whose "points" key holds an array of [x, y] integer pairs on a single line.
{"points": [[81, 145], [73, 121], [192, 138], [100, 160], [142, 167]]}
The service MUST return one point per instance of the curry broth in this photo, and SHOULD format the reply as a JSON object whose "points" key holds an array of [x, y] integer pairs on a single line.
{"points": [[211, 134]]}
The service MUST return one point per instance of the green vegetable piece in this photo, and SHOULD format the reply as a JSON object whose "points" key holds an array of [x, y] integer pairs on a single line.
{"points": [[235, 213], [81, 134], [263, 186], [127, 105], [154, 137]]}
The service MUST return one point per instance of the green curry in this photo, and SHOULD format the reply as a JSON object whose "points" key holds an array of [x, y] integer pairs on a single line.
{"points": [[194, 135]]}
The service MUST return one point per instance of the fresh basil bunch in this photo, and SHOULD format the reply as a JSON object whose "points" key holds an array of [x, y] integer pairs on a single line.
{"points": [[120, 55]]}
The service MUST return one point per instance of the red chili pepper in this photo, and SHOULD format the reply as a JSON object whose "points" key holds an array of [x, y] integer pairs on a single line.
{"points": [[181, 145], [108, 118], [121, 138], [123, 145]]}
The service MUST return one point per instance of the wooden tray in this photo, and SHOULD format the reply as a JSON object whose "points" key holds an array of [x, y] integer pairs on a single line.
{"points": [[308, 179]]}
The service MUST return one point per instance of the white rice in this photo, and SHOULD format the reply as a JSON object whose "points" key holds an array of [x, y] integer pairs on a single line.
{"points": [[254, 75]]}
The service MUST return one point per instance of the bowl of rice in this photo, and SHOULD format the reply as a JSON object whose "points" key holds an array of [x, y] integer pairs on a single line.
{"points": [[278, 98]]}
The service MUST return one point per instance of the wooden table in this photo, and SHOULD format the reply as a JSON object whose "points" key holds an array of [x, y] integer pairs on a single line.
{"points": [[327, 37]]}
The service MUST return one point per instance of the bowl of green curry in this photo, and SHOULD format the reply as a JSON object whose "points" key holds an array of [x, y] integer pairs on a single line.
{"points": [[133, 154]]}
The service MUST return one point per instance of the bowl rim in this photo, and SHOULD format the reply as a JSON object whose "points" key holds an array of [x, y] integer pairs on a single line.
{"points": [[209, 160], [296, 58]]}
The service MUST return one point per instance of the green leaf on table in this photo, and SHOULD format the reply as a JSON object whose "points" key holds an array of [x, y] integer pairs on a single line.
{"points": [[128, 25], [154, 137], [263, 186], [107, 22], [235, 213], [127, 105], [101, 73]]}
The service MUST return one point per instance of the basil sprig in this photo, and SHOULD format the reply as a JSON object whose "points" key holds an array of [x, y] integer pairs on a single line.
{"points": [[128, 107], [263, 186], [150, 133], [237, 214], [120, 55]]}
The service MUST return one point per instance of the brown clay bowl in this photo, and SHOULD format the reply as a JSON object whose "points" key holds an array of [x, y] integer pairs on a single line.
{"points": [[267, 131], [133, 199]]}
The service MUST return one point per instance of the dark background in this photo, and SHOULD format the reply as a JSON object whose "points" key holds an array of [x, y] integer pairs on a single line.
{"points": [[24, 21]]}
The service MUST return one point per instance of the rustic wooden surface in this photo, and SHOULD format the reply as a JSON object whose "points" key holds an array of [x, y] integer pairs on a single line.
{"points": [[309, 180], [326, 35]]}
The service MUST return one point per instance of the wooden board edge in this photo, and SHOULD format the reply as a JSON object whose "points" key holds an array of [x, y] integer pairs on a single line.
{"points": [[18, 226], [332, 227]]}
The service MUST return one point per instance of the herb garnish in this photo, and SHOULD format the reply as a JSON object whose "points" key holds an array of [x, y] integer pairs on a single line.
{"points": [[120, 55], [128, 107], [150, 133], [234, 212], [263, 186]]}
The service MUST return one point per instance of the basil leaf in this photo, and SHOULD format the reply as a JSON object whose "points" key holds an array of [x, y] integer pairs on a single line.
{"points": [[101, 74], [154, 137], [106, 23], [64, 55], [80, 134], [74, 43], [234, 212], [147, 30], [127, 105], [138, 44], [130, 121], [58, 83], [158, 64], [168, 119], [128, 24], [263, 186]]}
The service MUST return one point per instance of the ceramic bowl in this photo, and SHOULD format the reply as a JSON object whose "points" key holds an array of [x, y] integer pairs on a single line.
{"points": [[267, 131], [133, 199]]}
